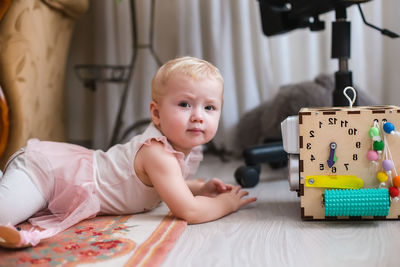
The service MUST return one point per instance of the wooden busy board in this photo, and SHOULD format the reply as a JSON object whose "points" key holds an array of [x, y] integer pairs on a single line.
{"points": [[334, 143]]}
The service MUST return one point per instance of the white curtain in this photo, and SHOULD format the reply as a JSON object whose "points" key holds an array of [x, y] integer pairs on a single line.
{"points": [[227, 33]]}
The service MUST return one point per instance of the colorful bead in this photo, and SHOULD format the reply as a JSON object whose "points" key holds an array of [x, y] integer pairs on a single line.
{"points": [[382, 177], [388, 127], [378, 145], [372, 155], [387, 165], [393, 191], [396, 181], [373, 131]]}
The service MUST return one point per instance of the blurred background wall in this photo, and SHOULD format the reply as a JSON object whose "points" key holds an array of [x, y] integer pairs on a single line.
{"points": [[227, 33]]}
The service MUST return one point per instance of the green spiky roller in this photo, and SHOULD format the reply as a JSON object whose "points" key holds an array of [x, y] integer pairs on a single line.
{"points": [[357, 202]]}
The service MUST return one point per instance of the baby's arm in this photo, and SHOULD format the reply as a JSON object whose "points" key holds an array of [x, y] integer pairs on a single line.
{"points": [[211, 188], [195, 185], [165, 174]]}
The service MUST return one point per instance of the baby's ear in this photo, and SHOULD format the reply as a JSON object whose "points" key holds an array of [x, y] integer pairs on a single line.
{"points": [[155, 113]]}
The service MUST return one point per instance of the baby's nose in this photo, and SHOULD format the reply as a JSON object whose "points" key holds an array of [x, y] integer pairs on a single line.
{"points": [[197, 115]]}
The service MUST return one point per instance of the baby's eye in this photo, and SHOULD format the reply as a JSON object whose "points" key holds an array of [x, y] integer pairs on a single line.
{"points": [[184, 104], [210, 107]]}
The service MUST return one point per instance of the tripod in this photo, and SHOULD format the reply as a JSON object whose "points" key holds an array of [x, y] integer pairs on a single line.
{"points": [[91, 75]]}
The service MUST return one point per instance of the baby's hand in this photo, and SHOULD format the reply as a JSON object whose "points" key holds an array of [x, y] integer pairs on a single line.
{"points": [[214, 187], [236, 198]]}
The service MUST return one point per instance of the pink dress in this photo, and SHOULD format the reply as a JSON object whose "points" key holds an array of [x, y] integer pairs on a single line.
{"points": [[79, 183]]}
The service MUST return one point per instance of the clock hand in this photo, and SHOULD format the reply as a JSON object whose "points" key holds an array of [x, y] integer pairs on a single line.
{"points": [[332, 157]]}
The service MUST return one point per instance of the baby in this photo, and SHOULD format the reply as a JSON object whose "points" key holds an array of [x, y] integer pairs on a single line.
{"points": [[56, 185]]}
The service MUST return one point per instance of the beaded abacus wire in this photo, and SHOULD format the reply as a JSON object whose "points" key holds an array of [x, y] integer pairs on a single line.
{"points": [[381, 150]]}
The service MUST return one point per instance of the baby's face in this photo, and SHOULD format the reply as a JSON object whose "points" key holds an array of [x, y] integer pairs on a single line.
{"points": [[189, 111]]}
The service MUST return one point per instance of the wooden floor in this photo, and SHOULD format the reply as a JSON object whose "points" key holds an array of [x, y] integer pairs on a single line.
{"points": [[270, 232]]}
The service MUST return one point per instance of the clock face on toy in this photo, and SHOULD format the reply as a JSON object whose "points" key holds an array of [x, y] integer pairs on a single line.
{"points": [[334, 143], [338, 150]]}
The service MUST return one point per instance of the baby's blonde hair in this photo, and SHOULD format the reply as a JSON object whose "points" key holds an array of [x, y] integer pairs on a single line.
{"points": [[193, 67]]}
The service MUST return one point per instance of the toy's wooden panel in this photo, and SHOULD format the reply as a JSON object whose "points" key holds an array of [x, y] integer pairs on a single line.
{"points": [[311, 203], [348, 128]]}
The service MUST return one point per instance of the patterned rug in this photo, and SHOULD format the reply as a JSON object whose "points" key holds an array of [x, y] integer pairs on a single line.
{"points": [[136, 240]]}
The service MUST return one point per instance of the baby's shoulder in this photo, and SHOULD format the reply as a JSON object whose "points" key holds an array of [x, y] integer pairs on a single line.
{"points": [[155, 156], [153, 145], [154, 149]]}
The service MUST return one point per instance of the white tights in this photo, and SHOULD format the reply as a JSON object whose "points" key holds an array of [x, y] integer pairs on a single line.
{"points": [[19, 197]]}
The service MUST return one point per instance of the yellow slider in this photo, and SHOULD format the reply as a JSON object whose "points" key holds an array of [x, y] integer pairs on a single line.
{"points": [[334, 181]]}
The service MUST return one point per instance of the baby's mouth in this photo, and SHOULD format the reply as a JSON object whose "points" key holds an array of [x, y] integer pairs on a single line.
{"points": [[195, 130]]}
